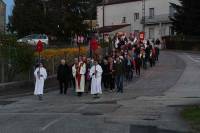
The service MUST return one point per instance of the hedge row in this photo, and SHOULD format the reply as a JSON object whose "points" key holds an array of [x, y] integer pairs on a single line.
{"points": [[182, 43]]}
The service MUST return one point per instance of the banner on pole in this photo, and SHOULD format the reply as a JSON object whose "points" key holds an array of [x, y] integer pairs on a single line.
{"points": [[142, 36], [39, 47]]}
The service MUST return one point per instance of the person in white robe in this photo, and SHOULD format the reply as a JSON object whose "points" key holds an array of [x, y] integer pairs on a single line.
{"points": [[96, 75], [40, 76], [79, 71]]}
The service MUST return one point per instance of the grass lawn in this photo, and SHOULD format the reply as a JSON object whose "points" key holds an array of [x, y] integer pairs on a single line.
{"points": [[192, 115]]}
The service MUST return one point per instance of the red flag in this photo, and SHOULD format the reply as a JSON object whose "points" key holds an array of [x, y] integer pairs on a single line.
{"points": [[142, 36], [93, 44], [39, 47]]}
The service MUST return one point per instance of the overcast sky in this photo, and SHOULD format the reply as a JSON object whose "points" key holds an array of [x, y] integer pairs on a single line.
{"points": [[9, 7]]}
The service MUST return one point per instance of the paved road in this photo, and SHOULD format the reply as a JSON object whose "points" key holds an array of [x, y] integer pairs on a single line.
{"points": [[150, 104]]}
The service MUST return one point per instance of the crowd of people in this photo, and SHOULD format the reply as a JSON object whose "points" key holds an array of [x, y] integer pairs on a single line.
{"points": [[90, 75]]}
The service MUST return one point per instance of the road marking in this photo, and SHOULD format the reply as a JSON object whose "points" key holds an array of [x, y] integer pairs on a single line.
{"points": [[51, 123], [194, 60]]}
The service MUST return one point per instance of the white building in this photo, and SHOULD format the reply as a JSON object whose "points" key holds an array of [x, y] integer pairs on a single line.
{"points": [[130, 14]]}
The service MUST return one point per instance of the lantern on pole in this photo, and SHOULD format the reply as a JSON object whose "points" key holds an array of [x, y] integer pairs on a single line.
{"points": [[39, 49]]}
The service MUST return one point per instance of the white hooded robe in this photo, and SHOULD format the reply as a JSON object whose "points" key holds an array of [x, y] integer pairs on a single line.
{"points": [[96, 79], [39, 84]]}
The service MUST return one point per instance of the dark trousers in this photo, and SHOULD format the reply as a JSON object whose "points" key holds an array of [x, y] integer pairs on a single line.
{"points": [[129, 73], [156, 57], [61, 86], [137, 69], [80, 94], [119, 82], [144, 63], [152, 61], [111, 82], [87, 86], [105, 80]]}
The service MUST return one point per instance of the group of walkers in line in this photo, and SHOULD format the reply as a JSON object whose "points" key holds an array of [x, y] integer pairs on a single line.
{"points": [[88, 75]]}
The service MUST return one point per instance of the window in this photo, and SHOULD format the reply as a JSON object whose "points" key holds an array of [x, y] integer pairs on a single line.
{"points": [[136, 16], [136, 31], [124, 20], [172, 11], [151, 33], [163, 31], [171, 31], [151, 12]]}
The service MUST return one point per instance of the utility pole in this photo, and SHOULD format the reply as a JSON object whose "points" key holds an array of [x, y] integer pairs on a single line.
{"points": [[103, 19], [143, 13]]}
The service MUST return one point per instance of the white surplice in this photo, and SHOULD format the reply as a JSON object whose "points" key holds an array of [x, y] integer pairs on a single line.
{"points": [[96, 75], [40, 76], [81, 87]]}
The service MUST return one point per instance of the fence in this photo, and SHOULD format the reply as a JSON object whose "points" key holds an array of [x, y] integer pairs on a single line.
{"points": [[7, 75]]}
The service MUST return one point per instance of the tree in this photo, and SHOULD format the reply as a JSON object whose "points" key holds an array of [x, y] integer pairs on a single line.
{"points": [[58, 17], [27, 17], [92, 9], [186, 20]]}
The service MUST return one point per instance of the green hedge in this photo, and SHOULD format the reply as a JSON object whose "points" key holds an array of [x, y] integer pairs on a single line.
{"points": [[17, 57], [182, 43]]}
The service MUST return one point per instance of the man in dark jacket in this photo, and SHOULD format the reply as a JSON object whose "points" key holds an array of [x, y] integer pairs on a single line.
{"points": [[63, 76], [119, 71], [105, 75]]}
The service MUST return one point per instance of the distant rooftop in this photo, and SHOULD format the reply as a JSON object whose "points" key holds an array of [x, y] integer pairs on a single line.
{"points": [[111, 2], [111, 28]]}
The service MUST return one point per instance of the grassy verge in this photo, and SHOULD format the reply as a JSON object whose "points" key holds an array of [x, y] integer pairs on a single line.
{"points": [[192, 116]]}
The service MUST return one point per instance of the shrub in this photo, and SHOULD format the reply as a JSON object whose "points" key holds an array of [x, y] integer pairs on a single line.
{"points": [[183, 43], [19, 58]]}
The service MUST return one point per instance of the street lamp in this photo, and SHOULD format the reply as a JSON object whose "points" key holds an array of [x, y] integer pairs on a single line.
{"points": [[103, 19], [143, 13], [45, 6]]}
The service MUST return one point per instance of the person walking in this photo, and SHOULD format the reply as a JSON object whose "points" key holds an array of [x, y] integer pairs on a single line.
{"points": [[63, 76], [137, 65], [79, 70], [157, 49], [87, 76], [40, 74], [111, 73], [143, 58], [96, 75], [128, 66], [147, 53], [119, 71], [105, 74]]}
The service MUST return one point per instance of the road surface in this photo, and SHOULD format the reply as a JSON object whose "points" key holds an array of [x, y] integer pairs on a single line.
{"points": [[150, 104]]}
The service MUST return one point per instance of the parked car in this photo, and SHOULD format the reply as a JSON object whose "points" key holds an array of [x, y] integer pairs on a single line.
{"points": [[34, 38]]}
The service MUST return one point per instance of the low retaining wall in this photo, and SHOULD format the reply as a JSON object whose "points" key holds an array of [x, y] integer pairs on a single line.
{"points": [[15, 88]]}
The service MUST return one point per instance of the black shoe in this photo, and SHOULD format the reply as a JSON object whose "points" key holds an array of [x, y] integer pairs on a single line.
{"points": [[40, 98]]}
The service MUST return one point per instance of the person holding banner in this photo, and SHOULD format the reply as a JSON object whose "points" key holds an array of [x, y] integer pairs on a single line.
{"points": [[40, 76], [96, 75]]}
